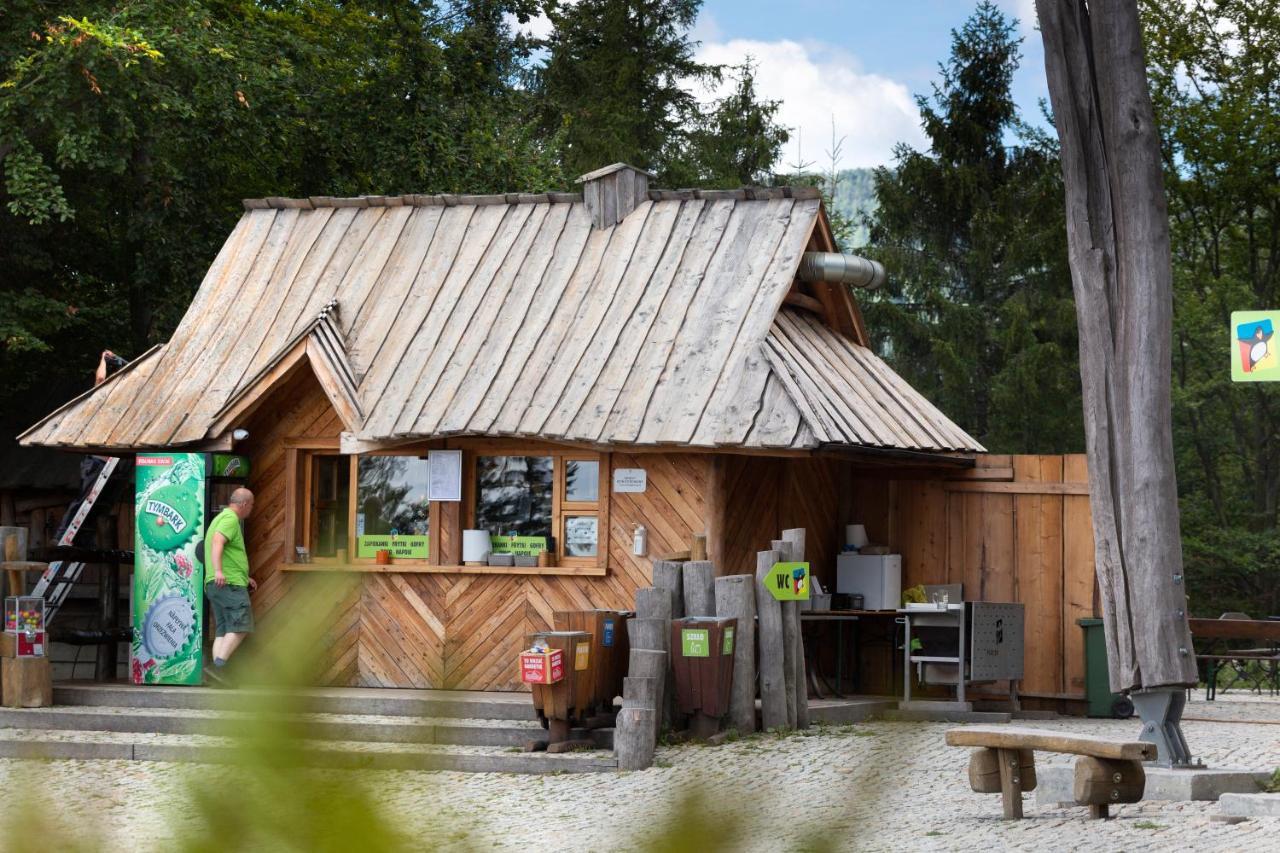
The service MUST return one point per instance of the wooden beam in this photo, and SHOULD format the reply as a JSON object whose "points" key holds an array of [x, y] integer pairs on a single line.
{"points": [[424, 569], [1034, 488], [796, 299]]}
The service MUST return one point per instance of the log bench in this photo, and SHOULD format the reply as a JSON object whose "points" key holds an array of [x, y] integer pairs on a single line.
{"points": [[1108, 771]]}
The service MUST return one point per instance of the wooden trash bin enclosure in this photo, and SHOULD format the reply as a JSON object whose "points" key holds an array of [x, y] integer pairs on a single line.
{"points": [[702, 657], [568, 700], [609, 651]]}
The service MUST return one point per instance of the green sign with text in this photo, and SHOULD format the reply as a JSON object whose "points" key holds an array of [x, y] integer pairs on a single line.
{"points": [[788, 581], [401, 547], [695, 642]]}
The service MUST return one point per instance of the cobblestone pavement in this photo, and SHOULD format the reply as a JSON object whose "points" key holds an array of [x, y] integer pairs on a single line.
{"points": [[872, 786]]}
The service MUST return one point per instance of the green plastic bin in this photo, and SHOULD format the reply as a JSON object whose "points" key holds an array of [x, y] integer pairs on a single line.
{"points": [[1097, 683]]}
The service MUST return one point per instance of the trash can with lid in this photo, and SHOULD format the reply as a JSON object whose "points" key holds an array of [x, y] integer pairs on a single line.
{"points": [[609, 650], [1097, 683], [702, 657], [562, 702]]}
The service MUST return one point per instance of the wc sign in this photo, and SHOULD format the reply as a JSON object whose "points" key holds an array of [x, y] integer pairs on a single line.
{"points": [[788, 581]]}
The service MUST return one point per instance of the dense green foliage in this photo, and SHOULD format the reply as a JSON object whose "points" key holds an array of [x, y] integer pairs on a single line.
{"points": [[1216, 86], [978, 314], [130, 131]]}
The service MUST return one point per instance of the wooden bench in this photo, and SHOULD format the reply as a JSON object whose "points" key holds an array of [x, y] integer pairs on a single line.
{"points": [[1108, 771]]}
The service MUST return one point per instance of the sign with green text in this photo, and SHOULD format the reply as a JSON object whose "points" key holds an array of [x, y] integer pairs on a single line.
{"points": [[695, 642], [528, 546], [229, 465], [401, 547], [788, 581], [728, 641], [169, 508]]}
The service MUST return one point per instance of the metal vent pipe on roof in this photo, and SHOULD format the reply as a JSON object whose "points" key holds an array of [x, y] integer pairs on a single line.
{"points": [[841, 269]]}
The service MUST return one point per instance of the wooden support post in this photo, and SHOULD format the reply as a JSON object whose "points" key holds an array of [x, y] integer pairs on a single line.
{"points": [[790, 638], [736, 597], [651, 664], [653, 603], [698, 548], [667, 575], [1010, 783], [635, 738], [773, 696], [796, 537], [699, 588]]}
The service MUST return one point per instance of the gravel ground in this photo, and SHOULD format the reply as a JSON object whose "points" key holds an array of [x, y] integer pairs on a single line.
{"points": [[872, 786]]}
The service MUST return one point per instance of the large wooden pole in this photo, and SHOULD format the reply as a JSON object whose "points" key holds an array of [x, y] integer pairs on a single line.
{"points": [[773, 683], [1118, 240], [736, 597]]}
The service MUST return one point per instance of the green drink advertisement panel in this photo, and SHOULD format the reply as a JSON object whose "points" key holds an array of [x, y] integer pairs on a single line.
{"points": [[169, 514]]}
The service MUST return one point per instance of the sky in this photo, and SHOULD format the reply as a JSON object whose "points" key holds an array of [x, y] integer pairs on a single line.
{"points": [[858, 62]]}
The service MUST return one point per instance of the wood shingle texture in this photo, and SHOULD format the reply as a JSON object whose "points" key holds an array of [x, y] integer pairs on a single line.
{"points": [[513, 315]]}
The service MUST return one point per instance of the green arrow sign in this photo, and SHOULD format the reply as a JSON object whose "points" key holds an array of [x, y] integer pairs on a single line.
{"points": [[788, 581]]}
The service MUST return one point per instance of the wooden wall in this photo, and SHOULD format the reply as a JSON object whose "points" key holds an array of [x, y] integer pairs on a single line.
{"points": [[450, 630], [1015, 529]]}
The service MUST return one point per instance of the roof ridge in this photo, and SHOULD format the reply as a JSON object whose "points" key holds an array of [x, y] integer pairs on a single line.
{"points": [[454, 199]]}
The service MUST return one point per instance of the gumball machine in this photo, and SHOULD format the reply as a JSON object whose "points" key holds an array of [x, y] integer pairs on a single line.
{"points": [[24, 619]]}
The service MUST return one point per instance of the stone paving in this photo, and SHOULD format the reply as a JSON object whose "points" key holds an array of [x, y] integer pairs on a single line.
{"points": [[871, 786]]}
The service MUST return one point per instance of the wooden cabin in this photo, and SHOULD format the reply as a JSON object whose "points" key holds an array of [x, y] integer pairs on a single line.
{"points": [[556, 340]]}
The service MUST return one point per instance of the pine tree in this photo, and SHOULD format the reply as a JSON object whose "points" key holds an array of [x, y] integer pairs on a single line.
{"points": [[978, 313]]}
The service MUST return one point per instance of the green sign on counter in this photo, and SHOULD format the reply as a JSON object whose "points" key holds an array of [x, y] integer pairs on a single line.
{"points": [[168, 579], [788, 581], [728, 640], [695, 642], [401, 547], [529, 546]]}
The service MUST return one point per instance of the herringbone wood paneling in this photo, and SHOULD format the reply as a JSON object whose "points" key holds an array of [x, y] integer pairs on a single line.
{"points": [[440, 630]]}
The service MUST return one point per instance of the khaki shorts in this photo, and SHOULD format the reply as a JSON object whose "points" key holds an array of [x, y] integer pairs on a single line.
{"points": [[232, 613]]}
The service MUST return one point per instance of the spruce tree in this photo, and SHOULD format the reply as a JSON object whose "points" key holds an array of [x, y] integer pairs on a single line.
{"points": [[978, 312]]}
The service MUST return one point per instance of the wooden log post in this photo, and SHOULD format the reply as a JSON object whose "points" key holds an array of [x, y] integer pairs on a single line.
{"points": [[736, 597], [653, 603], [667, 575], [1010, 783], [651, 664], [699, 588], [790, 637], [698, 550], [1100, 782], [795, 536], [773, 695], [984, 770], [635, 737], [639, 692]]}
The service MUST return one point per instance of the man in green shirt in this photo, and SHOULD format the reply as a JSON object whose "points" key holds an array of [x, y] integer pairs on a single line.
{"points": [[226, 581]]}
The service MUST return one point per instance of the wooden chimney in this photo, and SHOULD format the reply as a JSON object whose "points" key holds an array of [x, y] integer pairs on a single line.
{"points": [[613, 192]]}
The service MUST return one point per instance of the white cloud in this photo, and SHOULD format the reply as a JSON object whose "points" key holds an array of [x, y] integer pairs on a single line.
{"points": [[817, 84], [1025, 12]]}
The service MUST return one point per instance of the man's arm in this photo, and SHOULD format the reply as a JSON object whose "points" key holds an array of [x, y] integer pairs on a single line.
{"points": [[215, 557]]}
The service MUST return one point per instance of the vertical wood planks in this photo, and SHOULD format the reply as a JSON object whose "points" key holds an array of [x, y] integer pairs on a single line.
{"points": [[1079, 581], [1038, 532]]}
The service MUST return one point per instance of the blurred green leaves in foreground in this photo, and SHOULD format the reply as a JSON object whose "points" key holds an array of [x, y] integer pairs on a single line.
{"points": [[263, 796]]}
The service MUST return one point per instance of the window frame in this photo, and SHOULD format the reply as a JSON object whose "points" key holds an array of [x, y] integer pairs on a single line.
{"points": [[299, 488]]}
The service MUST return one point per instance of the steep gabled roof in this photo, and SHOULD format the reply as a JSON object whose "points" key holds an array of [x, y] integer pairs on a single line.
{"points": [[426, 316]]}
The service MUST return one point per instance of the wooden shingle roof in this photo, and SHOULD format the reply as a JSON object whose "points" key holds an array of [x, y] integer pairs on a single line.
{"points": [[511, 315]]}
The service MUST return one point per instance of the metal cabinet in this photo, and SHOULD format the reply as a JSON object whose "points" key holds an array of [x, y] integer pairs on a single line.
{"points": [[962, 644]]}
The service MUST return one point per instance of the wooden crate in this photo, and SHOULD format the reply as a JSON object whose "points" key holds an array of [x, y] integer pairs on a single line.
{"points": [[25, 683]]}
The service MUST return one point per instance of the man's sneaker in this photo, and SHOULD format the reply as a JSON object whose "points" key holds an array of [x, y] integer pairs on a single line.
{"points": [[214, 678]]}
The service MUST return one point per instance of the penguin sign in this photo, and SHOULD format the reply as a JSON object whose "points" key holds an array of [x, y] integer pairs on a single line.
{"points": [[1254, 356]]}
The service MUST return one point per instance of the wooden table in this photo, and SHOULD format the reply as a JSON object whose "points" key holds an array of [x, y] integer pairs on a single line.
{"points": [[840, 617], [1220, 631]]}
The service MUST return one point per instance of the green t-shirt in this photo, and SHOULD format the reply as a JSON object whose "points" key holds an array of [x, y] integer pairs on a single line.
{"points": [[235, 560]]}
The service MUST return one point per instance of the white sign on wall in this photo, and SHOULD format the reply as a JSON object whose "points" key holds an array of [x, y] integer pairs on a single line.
{"points": [[629, 480], [444, 475]]}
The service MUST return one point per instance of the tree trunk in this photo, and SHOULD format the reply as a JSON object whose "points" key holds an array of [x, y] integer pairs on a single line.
{"points": [[1118, 240]]}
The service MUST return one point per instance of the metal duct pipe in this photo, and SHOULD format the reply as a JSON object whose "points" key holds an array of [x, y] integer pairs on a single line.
{"points": [[841, 269]]}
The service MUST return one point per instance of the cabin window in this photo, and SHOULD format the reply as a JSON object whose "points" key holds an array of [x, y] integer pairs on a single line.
{"points": [[329, 505], [346, 508], [556, 497], [392, 496]]}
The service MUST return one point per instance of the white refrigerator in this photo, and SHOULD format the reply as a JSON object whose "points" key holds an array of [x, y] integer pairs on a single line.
{"points": [[877, 578]]}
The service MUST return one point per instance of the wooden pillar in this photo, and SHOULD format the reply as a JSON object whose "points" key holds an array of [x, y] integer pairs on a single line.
{"points": [[715, 502]]}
